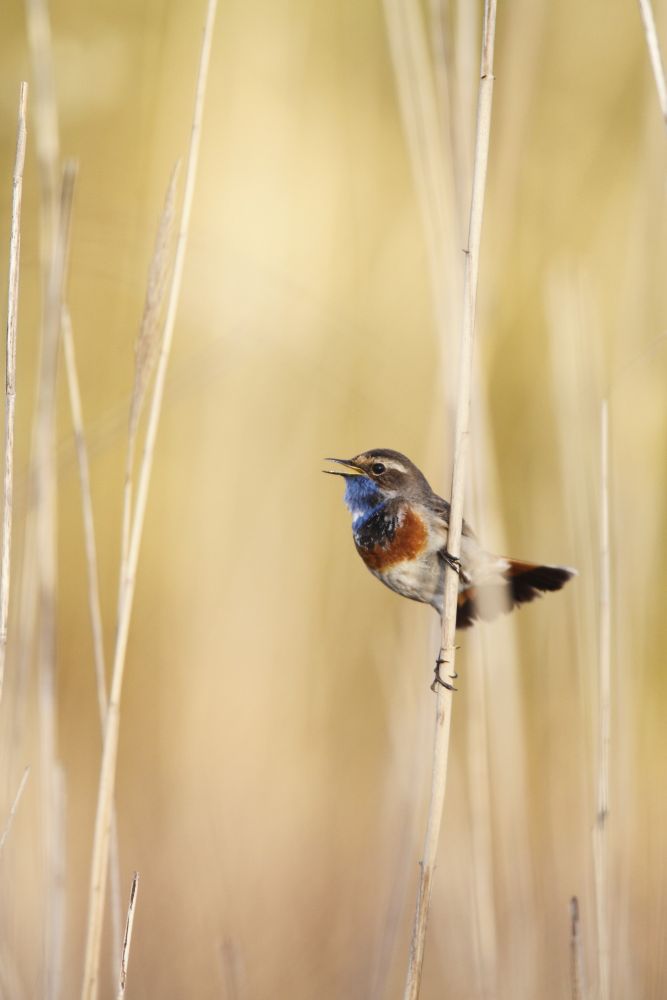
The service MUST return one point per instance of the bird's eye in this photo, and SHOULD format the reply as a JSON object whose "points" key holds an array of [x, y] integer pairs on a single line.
{"points": [[377, 468]]}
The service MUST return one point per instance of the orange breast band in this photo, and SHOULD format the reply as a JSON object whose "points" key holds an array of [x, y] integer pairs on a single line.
{"points": [[409, 541]]}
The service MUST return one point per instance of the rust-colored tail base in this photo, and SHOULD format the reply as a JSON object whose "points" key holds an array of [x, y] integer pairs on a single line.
{"points": [[525, 582]]}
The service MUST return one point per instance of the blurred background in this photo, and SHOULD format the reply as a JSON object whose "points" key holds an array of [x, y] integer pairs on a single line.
{"points": [[274, 762]]}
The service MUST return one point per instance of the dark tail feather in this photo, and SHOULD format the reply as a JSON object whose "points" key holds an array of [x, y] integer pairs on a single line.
{"points": [[467, 612], [525, 582]]}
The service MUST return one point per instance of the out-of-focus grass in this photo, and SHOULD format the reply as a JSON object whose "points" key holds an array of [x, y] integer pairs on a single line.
{"points": [[277, 718]]}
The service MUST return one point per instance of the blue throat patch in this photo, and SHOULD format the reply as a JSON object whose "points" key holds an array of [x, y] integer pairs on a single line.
{"points": [[362, 497]]}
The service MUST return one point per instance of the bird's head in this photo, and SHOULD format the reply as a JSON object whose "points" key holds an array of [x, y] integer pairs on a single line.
{"points": [[373, 477]]}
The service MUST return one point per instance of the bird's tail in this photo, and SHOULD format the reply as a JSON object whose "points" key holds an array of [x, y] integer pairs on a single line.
{"points": [[523, 583]]}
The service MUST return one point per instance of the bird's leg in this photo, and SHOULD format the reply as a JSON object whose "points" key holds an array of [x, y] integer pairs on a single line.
{"points": [[437, 679], [452, 561]]}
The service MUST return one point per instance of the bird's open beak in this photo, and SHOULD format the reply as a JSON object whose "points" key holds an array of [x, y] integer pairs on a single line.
{"points": [[352, 468]]}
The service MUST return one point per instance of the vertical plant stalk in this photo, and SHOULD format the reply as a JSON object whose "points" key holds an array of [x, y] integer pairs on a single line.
{"points": [[15, 805], [10, 375], [36, 613], [601, 833], [577, 977], [94, 602], [127, 938], [444, 696], [47, 142], [100, 853], [481, 829], [47, 148], [432, 168], [231, 970], [655, 56], [437, 125], [51, 773], [148, 349], [47, 145]]}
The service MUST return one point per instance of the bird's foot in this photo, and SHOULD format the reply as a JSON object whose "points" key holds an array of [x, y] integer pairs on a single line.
{"points": [[437, 679], [453, 561]]}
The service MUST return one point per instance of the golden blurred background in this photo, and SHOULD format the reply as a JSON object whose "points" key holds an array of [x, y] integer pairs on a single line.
{"points": [[276, 725]]}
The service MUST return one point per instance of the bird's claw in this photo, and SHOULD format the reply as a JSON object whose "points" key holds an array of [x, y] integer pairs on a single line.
{"points": [[453, 561], [437, 679]]}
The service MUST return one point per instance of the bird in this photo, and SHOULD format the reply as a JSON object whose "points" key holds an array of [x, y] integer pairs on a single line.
{"points": [[400, 529]]}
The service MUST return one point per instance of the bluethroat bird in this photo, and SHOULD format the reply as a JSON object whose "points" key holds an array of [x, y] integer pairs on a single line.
{"points": [[400, 529]]}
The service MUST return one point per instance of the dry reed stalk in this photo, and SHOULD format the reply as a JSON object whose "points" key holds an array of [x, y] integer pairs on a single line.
{"points": [[440, 54], [453, 117], [148, 347], [431, 168], [231, 970], [127, 937], [47, 151], [36, 619], [15, 805], [10, 376], [94, 602], [497, 751], [481, 830], [128, 570], [51, 774], [149, 340], [425, 98], [26, 600], [572, 317], [577, 975], [481, 827], [444, 700], [465, 60], [47, 143], [601, 834], [478, 739], [45, 416], [657, 64], [502, 823], [56, 903]]}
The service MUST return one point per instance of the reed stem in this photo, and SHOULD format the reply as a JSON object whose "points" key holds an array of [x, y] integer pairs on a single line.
{"points": [[100, 853], [444, 702], [10, 376]]}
